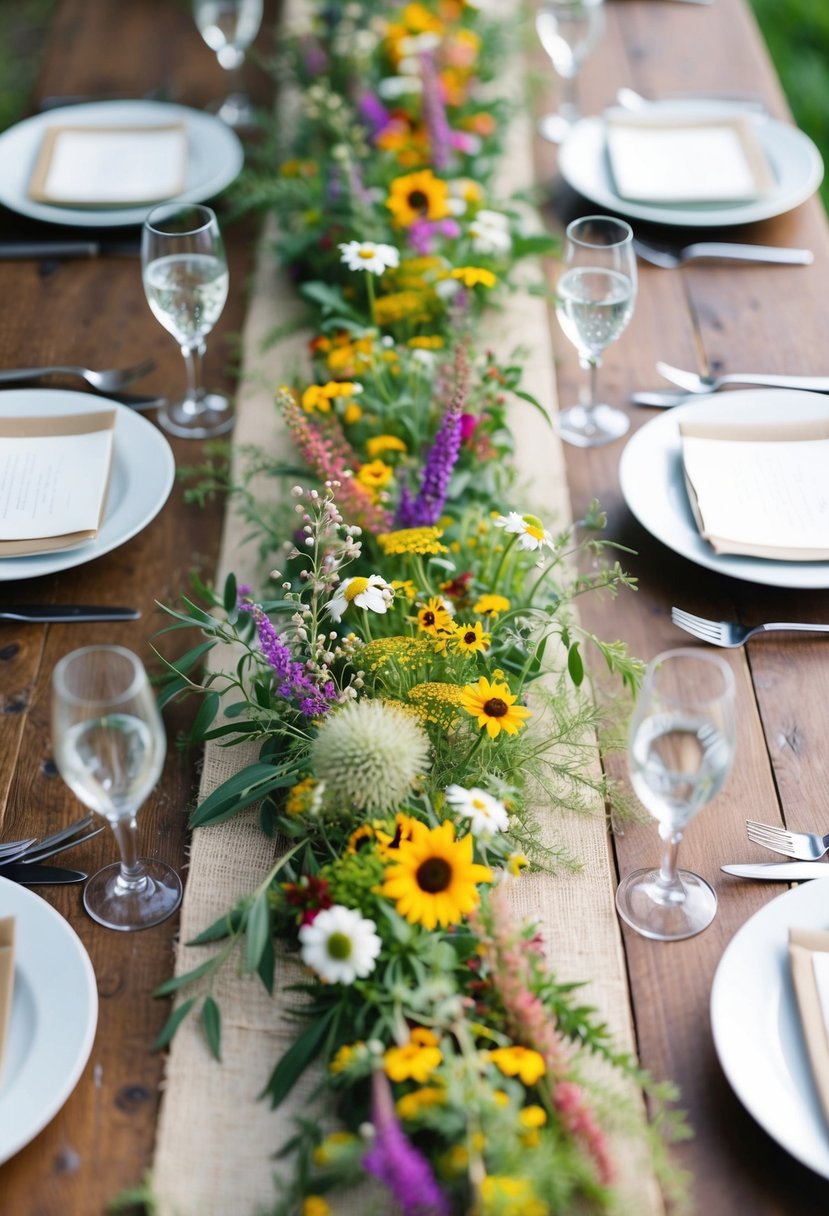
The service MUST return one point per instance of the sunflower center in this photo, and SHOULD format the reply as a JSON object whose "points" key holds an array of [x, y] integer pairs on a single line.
{"points": [[470, 636], [418, 201], [356, 587], [428, 618], [495, 707], [434, 875], [339, 946]]}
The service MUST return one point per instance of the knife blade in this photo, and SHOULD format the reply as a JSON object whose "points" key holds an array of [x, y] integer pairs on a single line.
{"points": [[18, 251], [36, 875], [779, 871], [54, 613]]}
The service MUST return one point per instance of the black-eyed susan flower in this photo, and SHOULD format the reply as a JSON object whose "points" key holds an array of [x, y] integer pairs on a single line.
{"points": [[434, 880], [374, 474], [491, 605], [470, 639], [418, 196], [494, 707], [434, 617]]}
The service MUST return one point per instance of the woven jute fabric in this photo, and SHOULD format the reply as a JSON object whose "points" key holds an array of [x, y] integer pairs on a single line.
{"points": [[216, 1139]]}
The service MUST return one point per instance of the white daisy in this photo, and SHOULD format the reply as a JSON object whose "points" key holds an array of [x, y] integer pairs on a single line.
{"points": [[529, 529], [392, 87], [340, 945], [373, 593], [366, 255], [490, 232], [486, 814]]}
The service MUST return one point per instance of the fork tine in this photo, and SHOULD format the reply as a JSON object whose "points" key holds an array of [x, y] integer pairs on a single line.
{"points": [[687, 620], [15, 846], [706, 631], [768, 830]]}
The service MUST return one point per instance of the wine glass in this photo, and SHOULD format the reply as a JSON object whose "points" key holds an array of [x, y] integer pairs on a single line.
{"points": [[595, 293], [680, 749], [109, 745], [186, 281], [568, 31], [229, 27]]}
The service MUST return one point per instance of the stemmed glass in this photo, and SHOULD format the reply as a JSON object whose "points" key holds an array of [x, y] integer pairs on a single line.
{"points": [[109, 745], [595, 294], [185, 275], [680, 749], [568, 30], [229, 27]]}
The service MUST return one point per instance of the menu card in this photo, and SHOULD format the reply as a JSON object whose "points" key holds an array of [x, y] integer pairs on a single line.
{"points": [[675, 158], [110, 166], [809, 960], [6, 979], [760, 490], [54, 476]]}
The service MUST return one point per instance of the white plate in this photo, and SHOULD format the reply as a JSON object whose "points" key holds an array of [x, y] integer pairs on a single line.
{"points": [[143, 471], [214, 157], [756, 1025], [653, 486], [795, 161], [53, 1018]]}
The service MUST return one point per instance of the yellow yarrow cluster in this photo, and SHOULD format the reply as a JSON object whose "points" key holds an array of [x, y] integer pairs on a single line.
{"points": [[426, 342], [422, 541], [410, 1105], [503, 1195], [438, 703], [404, 651], [402, 306]]}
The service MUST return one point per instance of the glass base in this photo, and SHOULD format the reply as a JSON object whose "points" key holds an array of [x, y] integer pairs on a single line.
{"points": [[117, 905], [590, 428], [554, 128], [235, 111], [666, 914], [212, 415]]}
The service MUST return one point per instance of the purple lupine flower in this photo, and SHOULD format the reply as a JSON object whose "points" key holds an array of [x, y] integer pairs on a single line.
{"points": [[374, 112], [426, 508], [434, 114], [395, 1161], [292, 680]]}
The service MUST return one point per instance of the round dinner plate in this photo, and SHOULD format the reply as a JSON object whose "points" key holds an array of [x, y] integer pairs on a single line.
{"points": [[214, 157], [53, 1017], [756, 1025], [795, 161], [143, 471], [653, 485]]}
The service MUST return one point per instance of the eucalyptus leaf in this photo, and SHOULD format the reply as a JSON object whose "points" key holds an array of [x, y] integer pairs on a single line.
{"points": [[178, 981], [296, 1059], [257, 931], [172, 1024], [211, 1020], [575, 664]]}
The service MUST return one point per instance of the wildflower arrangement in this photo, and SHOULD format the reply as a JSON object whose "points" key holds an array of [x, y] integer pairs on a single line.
{"points": [[393, 679]]}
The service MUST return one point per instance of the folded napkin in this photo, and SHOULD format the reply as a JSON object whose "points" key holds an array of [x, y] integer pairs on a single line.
{"points": [[660, 157], [6, 979], [759, 490], [110, 166], [809, 960], [54, 477]]}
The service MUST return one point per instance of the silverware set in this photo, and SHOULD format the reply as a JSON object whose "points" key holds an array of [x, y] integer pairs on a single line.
{"points": [[731, 634], [109, 382], [804, 848], [20, 860]]}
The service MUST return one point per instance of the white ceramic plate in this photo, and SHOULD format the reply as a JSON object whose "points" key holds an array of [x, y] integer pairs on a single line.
{"points": [[53, 1018], [795, 161], [653, 486], [756, 1025], [143, 470], [214, 157]]}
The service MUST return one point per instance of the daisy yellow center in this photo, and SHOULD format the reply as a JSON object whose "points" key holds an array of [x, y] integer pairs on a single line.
{"points": [[535, 533], [339, 946], [434, 875], [480, 806], [356, 587], [366, 253], [495, 707]]}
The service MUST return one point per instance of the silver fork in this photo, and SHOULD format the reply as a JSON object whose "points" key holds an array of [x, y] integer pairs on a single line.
{"points": [[722, 251], [107, 381], [731, 634], [806, 846], [691, 382], [38, 850]]}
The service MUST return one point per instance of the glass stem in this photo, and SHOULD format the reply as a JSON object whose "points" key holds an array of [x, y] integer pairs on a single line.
{"points": [[568, 104], [671, 841], [193, 357], [132, 876]]}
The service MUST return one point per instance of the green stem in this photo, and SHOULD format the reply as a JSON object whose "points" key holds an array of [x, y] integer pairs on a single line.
{"points": [[367, 626], [370, 292], [507, 550]]}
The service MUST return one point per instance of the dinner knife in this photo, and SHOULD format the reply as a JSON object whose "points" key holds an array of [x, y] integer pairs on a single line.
{"points": [[54, 613], [42, 250], [779, 871], [36, 875]]}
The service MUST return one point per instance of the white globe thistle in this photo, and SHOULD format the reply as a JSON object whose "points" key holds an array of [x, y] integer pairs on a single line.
{"points": [[486, 815], [369, 753], [340, 945], [372, 593]]}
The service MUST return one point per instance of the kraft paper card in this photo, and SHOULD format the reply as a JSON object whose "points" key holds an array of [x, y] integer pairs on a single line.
{"points": [[6, 979]]}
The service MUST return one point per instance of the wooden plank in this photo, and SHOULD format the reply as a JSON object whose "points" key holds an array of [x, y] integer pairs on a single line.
{"points": [[95, 313], [735, 318]]}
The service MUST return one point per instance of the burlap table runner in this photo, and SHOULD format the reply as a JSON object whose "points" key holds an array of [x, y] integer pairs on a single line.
{"points": [[215, 1138]]}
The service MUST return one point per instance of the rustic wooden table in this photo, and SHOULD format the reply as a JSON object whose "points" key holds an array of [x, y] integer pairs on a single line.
{"points": [[94, 312]]}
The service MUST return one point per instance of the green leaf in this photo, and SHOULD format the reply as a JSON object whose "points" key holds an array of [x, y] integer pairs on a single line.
{"points": [[220, 929], [207, 712], [229, 595], [178, 981], [296, 1059], [171, 690], [575, 666], [211, 1020], [267, 965], [239, 791], [190, 658], [257, 931], [172, 1024], [528, 397]]}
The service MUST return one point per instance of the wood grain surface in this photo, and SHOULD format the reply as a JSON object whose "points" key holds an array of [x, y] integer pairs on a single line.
{"points": [[708, 317], [93, 312]]}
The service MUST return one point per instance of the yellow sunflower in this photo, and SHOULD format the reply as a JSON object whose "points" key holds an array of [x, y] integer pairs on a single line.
{"points": [[433, 880], [491, 605], [434, 619], [418, 196], [469, 639], [494, 707]]}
